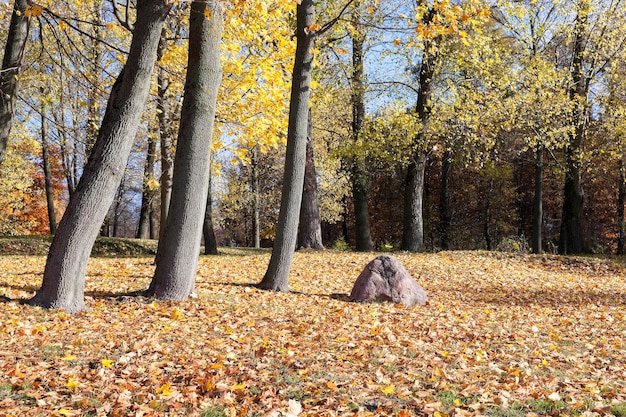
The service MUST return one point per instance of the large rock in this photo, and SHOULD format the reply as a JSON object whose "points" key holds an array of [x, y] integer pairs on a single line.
{"points": [[385, 279]]}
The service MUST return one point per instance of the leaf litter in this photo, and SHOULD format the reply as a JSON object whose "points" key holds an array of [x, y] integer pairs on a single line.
{"points": [[541, 334]]}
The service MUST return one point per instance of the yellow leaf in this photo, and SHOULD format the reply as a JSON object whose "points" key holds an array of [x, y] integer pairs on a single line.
{"points": [[164, 390], [65, 412], [71, 383], [388, 390], [107, 363], [176, 314], [239, 386], [207, 14], [68, 358]]}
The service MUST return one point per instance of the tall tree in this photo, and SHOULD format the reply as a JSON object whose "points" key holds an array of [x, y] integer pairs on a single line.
{"points": [[146, 227], [360, 175], [64, 275], [413, 220], [208, 229], [276, 277], [165, 134], [571, 239], [11, 66], [47, 171], [177, 256], [310, 224]]}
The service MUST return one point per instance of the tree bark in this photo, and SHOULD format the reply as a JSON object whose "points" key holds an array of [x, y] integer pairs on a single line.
{"points": [[413, 219], [360, 176], [64, 274], [277, 275], [445, 217], [571, 240], [166, 136], [94, 76], [144, 228], [47, 171], [487, 218], [538, 202], [621, 200], [413, 232], [10, 74], [310, 227], [177, 257], [208, 229], [254, 174]]}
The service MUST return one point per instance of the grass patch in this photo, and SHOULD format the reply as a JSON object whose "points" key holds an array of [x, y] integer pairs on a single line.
{"points": [[213, 411], [619, 410]]}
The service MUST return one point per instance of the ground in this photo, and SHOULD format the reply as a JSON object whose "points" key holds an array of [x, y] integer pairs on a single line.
{"points": [[502, 335]]}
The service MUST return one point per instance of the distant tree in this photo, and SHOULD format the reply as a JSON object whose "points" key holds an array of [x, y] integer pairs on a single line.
{"points": [[310, 224], [11, 66]]}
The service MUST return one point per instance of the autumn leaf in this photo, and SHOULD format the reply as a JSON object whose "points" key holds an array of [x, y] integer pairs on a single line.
{"points": [[165, 390], [72, 384], [388, 390]]}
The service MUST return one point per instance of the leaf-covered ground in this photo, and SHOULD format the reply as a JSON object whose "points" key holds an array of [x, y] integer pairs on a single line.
{"points": [[502, 335]]}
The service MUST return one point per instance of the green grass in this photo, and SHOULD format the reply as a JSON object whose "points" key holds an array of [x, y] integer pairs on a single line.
{"points": [[213, 411], [619, 410], [103, 247]]}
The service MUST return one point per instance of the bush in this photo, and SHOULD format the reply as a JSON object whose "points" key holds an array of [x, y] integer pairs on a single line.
{"points": [[516, 244], [341, 245]]}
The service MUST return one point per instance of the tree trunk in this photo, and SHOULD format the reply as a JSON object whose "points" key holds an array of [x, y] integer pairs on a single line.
{"points": [[47, 171], [487, 218], [144, 227], [254, 172], [10, 74], [116, 211], [208, 230], [538, 202], [413, 219], [64, 275], [413, 232], [445, 217], [166, 136], [177, 257], [360, 175], [94, 76], [621, 200], [310, 227], [571, 240], [277, 275]]}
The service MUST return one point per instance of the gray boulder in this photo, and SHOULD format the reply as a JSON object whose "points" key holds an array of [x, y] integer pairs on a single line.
{"points": [[385, 279]]}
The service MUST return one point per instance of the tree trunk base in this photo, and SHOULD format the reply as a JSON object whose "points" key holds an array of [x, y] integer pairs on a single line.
{"points": [[273, 286], [70, 306]]}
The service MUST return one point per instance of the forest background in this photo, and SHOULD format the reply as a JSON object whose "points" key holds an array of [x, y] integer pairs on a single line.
{"points": [[520, 95]]}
